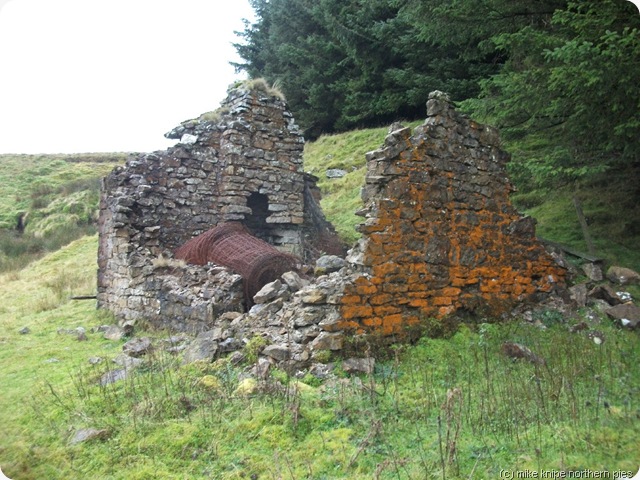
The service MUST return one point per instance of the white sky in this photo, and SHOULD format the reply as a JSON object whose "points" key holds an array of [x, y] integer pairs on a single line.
{"points": [[111, 75]]}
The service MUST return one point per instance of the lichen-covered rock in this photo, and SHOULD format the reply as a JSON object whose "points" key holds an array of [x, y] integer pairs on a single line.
{"points": [[439, 231], [623, 276]]}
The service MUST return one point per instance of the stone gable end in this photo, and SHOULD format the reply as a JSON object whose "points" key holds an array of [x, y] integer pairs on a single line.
{"points": [[440, 233]]}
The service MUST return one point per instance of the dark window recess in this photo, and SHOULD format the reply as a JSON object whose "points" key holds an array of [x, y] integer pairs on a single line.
{"points": [[256, 222]]}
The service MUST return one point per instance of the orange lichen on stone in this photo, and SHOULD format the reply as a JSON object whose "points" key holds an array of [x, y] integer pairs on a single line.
{"points": [[351, 299], [442, 233], [356, 311]]}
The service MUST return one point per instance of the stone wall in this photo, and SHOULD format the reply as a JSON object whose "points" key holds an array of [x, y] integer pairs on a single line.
{"points": [[241, 163], [440, 233], [439, 236]]}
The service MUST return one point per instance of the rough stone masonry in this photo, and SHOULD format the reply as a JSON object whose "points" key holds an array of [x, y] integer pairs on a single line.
{"points": [[439, 234], [241, 163]]}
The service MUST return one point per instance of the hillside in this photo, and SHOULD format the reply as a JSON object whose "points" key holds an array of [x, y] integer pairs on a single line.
{"points": [[46, 201], [453, 407], [449, 407], [607, 200]]}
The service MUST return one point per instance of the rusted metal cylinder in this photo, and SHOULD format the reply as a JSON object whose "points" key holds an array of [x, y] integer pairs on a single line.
{"points": [[232, 245]]}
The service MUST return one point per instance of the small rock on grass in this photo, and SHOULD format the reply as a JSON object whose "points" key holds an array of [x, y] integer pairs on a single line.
{"points": [[89, 434], [137, 347], [623, 276], [516, 350], [359, 365]]}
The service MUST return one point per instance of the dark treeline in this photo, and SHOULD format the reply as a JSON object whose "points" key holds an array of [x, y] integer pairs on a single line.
{"points": [[565, 70]]}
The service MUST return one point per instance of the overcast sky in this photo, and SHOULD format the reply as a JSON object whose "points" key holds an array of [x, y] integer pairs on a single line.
{"points": [[111, 75]]}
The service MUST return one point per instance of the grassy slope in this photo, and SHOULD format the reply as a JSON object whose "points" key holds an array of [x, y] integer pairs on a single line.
{"points": [[55, 195], [181, 422], [25, 178], [173, 421]]}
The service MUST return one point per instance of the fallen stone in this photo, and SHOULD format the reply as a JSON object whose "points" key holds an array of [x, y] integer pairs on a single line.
{"points": [[267, 293], [95, 360], [578, 294], [516, 351], [277, 352], [593, 272], [24, 331], [229, 316], [293, 281], [237, 357], [113, 376], [176, 350], [628, 314], [127, 362], [261, 368], [623, 276], [329, 263], [89, 434], [128, 327], [230, 345], [359, 365], [175, 340], [204, 347], [321, 370], [114, 332], [335, 173], [137, 347], [328, 341], [606, 293]]}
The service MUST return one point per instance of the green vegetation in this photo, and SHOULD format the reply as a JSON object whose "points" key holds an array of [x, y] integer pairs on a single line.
{"points": [[46, 201], [442, 408], [341, 197], [607, 200], [451, 408], [559, 78]]}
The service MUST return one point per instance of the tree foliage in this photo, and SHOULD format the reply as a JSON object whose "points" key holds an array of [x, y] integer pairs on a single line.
{"points": [[575, 83], [563, 71]]}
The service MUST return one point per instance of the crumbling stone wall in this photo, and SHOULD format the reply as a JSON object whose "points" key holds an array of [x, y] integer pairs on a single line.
{"points": [[241, 163], [440, 233]]}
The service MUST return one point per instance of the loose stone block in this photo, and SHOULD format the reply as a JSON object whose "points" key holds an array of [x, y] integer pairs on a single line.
{"points": [[441, 232]]}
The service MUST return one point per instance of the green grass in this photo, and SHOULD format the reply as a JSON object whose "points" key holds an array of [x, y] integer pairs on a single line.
{"points": [[56, 198], [345, 151], [29, 179], [181, 422], [608, 201], [449, 408]]}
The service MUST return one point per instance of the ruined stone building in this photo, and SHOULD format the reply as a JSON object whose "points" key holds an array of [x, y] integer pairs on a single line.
{"points": [[242, 163], [439, 232]]}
